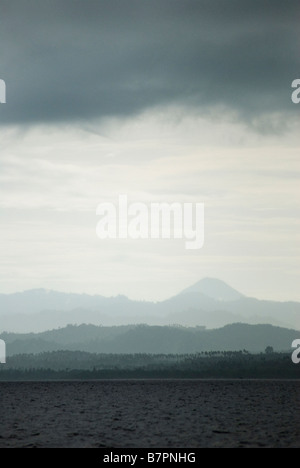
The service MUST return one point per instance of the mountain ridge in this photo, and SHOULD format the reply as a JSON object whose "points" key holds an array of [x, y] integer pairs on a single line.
{"points": [[41, 309]]}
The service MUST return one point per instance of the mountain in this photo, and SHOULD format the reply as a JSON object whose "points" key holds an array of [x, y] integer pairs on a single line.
{"points": [[209, 302], [152, 339], [215, 289]]}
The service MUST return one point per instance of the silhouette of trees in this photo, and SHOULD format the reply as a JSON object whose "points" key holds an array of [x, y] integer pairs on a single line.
{"points": [[212, 364]]}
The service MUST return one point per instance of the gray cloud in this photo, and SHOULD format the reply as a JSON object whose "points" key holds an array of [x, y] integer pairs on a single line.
{"points": [[76, 60]]}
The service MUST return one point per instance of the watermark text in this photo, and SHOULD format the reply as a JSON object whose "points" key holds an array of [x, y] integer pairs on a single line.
{"points": [[2, 352], [296, 353], [154, 221], [296, 94], [2, 92]]}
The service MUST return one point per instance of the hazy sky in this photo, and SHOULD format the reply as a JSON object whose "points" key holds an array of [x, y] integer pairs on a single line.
{"points": [[165, 101]]}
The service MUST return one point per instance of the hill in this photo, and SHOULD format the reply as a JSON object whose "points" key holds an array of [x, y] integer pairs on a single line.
{"points": [[152, 339]]}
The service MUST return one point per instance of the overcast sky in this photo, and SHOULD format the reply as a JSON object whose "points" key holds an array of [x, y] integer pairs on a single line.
{"points": [[165, 101]]}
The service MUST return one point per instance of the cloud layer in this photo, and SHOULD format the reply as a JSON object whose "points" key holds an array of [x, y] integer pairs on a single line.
{"points": [[66, 60]]}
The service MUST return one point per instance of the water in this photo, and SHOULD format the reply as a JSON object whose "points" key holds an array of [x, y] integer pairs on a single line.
{"points": [[150, 414]]}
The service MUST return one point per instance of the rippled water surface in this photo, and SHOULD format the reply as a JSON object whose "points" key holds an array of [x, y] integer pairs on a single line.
{"points": [[156, 413]]}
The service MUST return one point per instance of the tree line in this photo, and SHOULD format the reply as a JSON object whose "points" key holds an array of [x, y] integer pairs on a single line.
{"points": [[59, 365]]}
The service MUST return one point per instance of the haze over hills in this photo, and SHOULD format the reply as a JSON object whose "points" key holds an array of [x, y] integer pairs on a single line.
{"points": [[209, 302]]}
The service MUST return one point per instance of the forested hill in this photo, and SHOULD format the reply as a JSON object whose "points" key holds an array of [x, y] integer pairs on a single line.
{"points": [[152, 339]]}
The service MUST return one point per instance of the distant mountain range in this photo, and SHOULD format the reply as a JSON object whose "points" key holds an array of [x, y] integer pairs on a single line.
{"points": [[210, 303], [137, 339]]}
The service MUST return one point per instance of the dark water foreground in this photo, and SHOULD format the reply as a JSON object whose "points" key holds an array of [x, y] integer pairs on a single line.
{"points": [[156, 413]]}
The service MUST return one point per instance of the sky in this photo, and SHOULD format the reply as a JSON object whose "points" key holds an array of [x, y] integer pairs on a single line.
{"points": [[185, 101]]}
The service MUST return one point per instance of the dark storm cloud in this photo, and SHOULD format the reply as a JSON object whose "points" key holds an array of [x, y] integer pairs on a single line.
{"points": [[73, 60]]}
